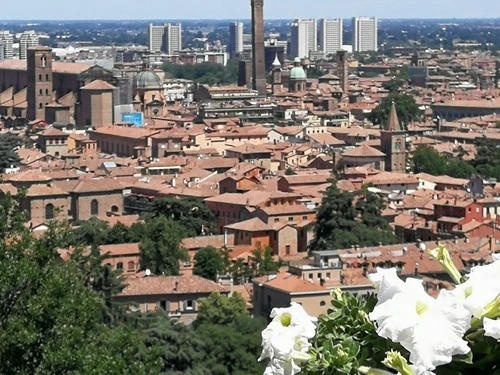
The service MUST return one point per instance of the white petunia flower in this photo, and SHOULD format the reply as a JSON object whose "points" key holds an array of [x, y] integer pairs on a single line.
{"points": [[285, 341], [387, 282], [430, 329], [481, 288], [492, 328]]}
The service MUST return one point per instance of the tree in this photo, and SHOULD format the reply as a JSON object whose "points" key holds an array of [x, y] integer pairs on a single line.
{"points": [[341, 224], [8, 145], [191, 213], [486, 160], [262, 261], [221, 310], [208, 263], [406, 107], [428, 160], [92, 232], [51, 322], [160, 247]]}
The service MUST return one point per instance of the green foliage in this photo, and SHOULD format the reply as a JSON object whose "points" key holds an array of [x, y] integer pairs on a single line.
{"points": [[347, 339], [428, 160], [204, 73], [406, 108], [290, 172], [262, 261], [161, 247], [8, 155], [221, 310], [341, 224], [486, 160], [208, 263], [191, 213]]}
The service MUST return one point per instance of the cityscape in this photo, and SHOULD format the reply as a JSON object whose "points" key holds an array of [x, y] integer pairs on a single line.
{"points": [[168, 183]]}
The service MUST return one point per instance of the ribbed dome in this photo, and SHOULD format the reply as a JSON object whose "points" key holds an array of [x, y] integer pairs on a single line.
{"points": [[298, 73], [147, 80]]}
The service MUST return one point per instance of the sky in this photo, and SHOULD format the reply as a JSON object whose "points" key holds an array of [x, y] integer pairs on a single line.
{"points": [[240, 9]]}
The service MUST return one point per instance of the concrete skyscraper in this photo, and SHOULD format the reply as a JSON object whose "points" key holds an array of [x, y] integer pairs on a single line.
{"points": [[173, 38], [330, 36], [166, 38], [235, 46], [304, 38], [6, 41], [364, 34], [258, 55], [28, 39]]}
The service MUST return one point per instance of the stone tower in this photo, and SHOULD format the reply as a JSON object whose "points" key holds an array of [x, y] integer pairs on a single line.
{"points": [[258, 56], [39, 95], [393, 144], [343, 71], [276, 76]]}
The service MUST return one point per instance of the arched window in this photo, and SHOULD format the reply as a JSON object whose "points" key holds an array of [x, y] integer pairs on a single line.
{"points": [[43, 62], [94, 207], [40, 105], [114, 209], [119, 266], [46, 91], [130, 266], [49, 211], [40, 92]]}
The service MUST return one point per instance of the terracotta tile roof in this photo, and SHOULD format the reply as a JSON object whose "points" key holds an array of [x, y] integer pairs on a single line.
{"points": [[286, 209], [97, 185], [29, 175], [125, 131], [162, 285], [363, 151], [292, 284], [41, 190], [251, 225], [51, 132], [204, 241], [98, 85], [8, 189], [120, 249], [57, 66]]}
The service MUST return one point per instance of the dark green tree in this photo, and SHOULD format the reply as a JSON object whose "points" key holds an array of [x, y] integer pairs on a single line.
{"points": [[262, 261], [221, 310], [191, 213], [8, 145], [486, 160], [341, 224], [208, 263], [406, 107], [428, 160], [92, 232], [120, 233], [160, 247]]}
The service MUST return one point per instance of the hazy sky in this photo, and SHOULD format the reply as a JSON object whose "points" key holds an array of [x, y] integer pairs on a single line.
{"points": [[240, 9]]}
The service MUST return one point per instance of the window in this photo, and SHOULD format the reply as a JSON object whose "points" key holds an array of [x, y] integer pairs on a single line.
{"points": [[287, 249], [290, 218], [276, 219], [114, 209], [40, 92], [40, 105], [43, 62], [46, 91], [119, 266], [39, 77], [164, 305], [94, 207], [46, 77], [322, 303], [49, 211], [304, 217], [320, 276], [328, 275], [131, 266], [190, 304]]}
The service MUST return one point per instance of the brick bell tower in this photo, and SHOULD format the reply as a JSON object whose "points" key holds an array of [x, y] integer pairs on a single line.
{"points": [[40, 87], [258, 55], [393, 143]]}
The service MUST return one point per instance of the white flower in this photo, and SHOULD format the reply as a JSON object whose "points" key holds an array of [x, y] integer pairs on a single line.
{"points": [[430, 329], [495, 257], [492, 328], [285, 341], [387, 282], [480, 289]]}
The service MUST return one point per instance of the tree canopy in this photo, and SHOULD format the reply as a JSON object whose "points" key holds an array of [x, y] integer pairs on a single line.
{"points": [[8, 155], [406, 108], [204, 73], [345, 219], [428, 160], [208, 263]]}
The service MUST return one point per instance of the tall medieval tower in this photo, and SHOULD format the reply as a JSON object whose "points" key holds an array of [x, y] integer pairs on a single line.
{"points": [[258, 58], [343, 71], [393, 144], [39, 95]]}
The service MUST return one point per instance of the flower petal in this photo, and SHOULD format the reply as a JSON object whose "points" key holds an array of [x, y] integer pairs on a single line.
{"points": [[492, 328]]}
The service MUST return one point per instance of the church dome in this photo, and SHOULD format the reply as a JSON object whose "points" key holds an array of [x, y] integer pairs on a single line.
{"points": [[148, 80], [298, 73]]}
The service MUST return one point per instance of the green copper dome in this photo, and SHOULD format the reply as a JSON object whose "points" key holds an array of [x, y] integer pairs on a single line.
{"points": [[298, 73], [147, 80]]}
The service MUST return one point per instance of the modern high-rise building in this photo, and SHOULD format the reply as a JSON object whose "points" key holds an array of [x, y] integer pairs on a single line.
{"points": [[330, 36], [173, 38], [235, 46], [304, 38], [6, 41], [28, 39], [364, 34], [258, 53], [156, 37], [166, 38]]}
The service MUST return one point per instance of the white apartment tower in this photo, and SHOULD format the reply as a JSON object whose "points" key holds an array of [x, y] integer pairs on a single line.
{"points": [[304, 38], [364, 31], [330, 36], [156, 37], [28, 39], [6, 41], [235, 46], [173, 38], [166, 38]]}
